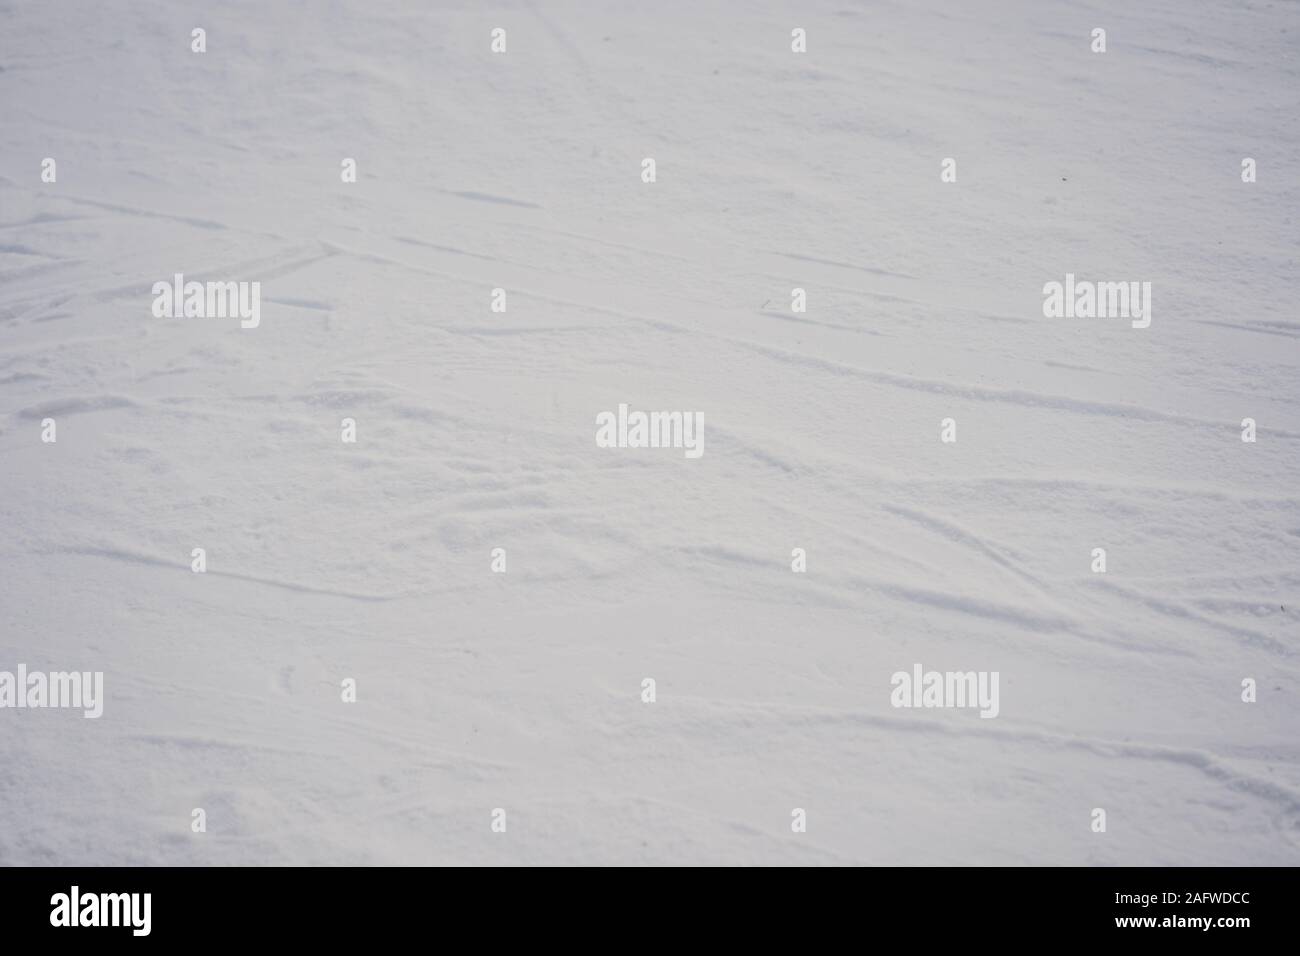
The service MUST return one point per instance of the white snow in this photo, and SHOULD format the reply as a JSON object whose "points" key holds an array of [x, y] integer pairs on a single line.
{"points": [[476, 431]]}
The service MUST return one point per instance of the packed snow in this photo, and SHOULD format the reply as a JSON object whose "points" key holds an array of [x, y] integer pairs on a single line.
{"points": [[372, 561]]}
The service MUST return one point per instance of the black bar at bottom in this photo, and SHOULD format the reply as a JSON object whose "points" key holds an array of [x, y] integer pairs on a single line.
{"points": [[334, 906]]}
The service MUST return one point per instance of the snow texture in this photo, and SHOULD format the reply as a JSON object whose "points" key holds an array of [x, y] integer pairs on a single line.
{"points": [[475, 430]]}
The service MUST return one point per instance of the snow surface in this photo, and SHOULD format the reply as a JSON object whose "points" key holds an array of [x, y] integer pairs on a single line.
{"points": [[476, 431]]}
